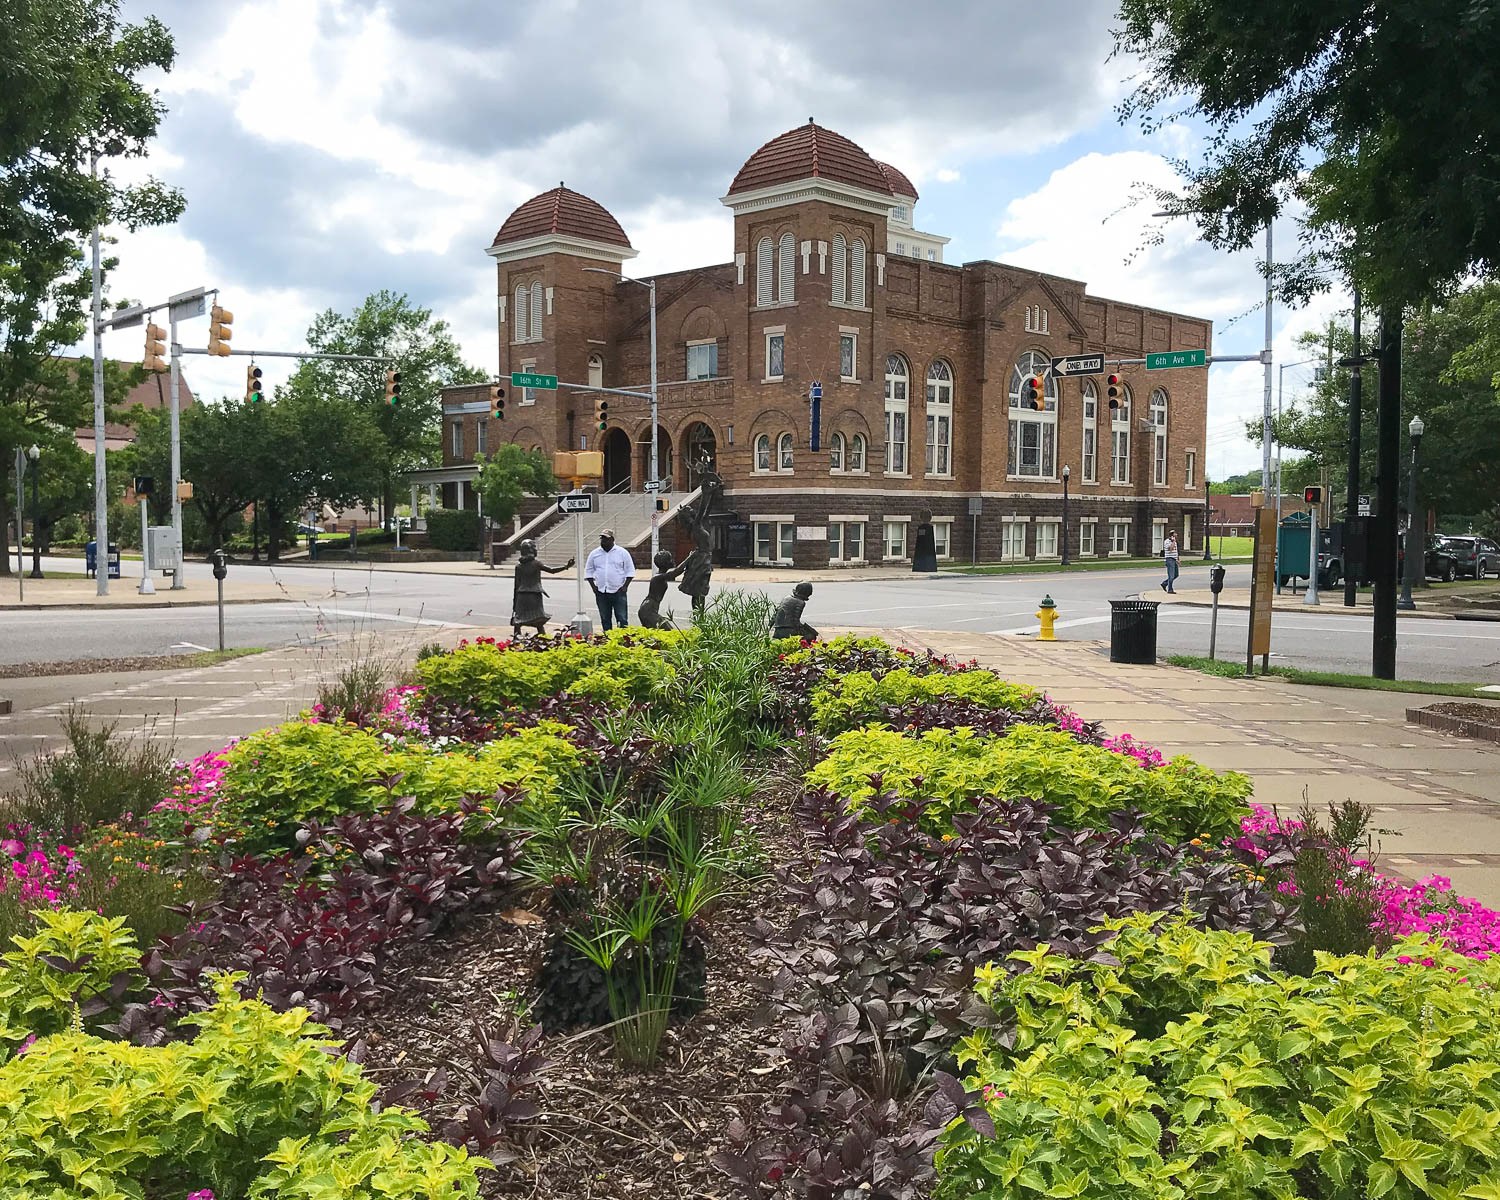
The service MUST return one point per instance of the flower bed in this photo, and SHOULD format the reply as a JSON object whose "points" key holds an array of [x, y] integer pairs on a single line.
{"points": [[761, 895]]}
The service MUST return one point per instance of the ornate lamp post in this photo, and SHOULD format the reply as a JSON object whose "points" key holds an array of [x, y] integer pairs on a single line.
{"points": [[35, 454], [1416, 553], [1208, 516], [1067, 473]]}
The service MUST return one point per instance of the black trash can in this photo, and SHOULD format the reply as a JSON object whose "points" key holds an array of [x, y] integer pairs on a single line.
{"points": [[1132, 631]]}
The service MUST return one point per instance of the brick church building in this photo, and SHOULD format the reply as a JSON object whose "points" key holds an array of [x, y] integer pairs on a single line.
{"points": [[922, 365]]}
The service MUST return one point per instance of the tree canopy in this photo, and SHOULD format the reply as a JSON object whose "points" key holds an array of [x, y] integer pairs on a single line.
{"points": [[1377, 117], [508, 476]]}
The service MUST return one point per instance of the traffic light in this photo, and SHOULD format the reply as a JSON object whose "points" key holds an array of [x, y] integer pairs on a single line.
{"points": [[1312, 495], [1034, 392], [393, 388], [1115, 386], [253, 391], [219, 331], [497, 402], [156, 348], [601, 413]]}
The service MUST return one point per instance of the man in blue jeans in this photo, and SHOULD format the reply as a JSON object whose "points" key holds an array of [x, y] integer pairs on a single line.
{"points": [[1169, 555], [609, 571]]}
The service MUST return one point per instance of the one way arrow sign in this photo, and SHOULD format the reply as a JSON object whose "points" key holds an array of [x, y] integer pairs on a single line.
{"points": [[1078, 364], [576, 502]]}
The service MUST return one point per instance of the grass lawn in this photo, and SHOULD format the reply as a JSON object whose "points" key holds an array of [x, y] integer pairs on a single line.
{"points": [[1230, 669], [1033, 567]]}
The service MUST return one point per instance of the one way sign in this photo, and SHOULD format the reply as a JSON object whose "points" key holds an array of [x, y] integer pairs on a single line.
{"points": [[577, 502], [1078, 364]]}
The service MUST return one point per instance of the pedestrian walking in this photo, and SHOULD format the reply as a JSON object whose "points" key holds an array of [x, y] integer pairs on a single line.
{"points": [[609, 571], [1169, 555]]}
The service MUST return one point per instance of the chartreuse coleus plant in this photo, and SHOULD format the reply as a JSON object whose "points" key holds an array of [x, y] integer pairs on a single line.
{"points": [[300, 772], [843, 702], [255, 1105], [490, 677], [1183, 1065], [73, 959], [952, 768]]}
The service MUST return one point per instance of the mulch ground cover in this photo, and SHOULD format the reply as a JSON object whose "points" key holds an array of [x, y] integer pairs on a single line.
{"points": [[606, 1132]]}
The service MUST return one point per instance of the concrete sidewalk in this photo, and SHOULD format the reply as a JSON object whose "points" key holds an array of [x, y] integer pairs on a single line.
{"points": [[1429, 604], [1436, 796]]}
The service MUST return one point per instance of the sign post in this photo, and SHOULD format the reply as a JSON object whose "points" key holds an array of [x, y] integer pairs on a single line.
{"points": [[1176, 358], [20, 519], [577, 503], [1310, 597]]}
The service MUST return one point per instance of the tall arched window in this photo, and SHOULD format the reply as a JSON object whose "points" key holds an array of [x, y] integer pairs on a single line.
{"points": [[1119, 428], [897, 412], [857, 273], [1159, 437], [784, 452], [857, 452], [840, 269], [1090, 432], [596, 371], [836, 452], [786, 269], [765, 280], [536, 312], [1032, 453], [520, 318], [763, 452], [939, 418]]}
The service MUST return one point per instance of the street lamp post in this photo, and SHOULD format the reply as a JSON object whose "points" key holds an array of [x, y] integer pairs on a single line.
{"points": [[35, 455], [650, 286], [1208, 515], [1067, 473], [1416, 553]]}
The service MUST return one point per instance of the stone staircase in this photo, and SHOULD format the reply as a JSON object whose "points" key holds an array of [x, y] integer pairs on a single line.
{"points": [[629, 516]]}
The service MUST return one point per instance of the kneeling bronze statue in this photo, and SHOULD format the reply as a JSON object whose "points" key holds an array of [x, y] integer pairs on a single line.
{"points": [[788, 620]]}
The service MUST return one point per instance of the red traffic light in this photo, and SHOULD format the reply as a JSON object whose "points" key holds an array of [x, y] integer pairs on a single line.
{"points": [[1034, 392], [1114, 391], [1312, 495]]}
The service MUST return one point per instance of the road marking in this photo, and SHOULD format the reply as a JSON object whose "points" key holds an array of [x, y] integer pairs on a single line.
{"points": [[1055, 625], [375, 616], [191, 646]]}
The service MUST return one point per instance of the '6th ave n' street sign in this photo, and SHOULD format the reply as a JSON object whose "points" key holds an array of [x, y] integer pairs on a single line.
{"points": [[1078, 364], [1176, 358]]}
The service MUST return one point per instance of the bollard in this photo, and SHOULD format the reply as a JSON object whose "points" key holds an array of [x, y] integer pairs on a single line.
{"points": [[1047, 615]]}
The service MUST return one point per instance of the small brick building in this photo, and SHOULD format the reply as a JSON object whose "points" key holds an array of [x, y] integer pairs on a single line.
{"points": [[922, 366]]}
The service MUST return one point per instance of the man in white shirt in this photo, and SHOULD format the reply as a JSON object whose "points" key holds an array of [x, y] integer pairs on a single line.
{"points": [[1169, 554], [609, 571]]}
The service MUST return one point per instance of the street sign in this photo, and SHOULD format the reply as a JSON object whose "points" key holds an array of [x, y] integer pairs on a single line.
{"points": [[577, 502], [1177, 358], [1364, 506], [1078, 364], [653, 485], [525, 379]]}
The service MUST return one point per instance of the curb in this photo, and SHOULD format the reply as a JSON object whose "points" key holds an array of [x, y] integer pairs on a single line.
{"points": [[71, 606], [1358, 611]]}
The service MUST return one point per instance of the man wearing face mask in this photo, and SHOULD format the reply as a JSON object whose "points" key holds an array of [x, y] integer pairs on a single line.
{"points": [[609, 571]]}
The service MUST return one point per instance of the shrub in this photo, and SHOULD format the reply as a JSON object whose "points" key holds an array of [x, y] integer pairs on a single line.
{"points": [[951, 769], [287, 776], [453, 529], [843, 702], [254, 1105], [490, 678], [1184, 1064], [98, 778], [74, 960]]}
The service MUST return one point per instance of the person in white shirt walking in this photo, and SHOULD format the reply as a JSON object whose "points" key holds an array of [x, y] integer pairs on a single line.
{"points": [[609, 571], [1169, 553]]}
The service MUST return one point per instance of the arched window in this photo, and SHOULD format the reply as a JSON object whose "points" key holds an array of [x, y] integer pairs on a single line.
{"points": [[763, 452], [1119, 428], [836, 452], [1090, 432], [536, 312], [784, 452], [596, 371], [857, 273], [939, 418], [764, 273], [840, 269], [897, 412], [857, 452], [1032, 453], [1159, 437], [786, 269], [520, 318]]}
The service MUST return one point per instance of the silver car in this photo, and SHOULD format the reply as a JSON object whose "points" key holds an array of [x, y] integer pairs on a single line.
{"points": [[1477, 557]]}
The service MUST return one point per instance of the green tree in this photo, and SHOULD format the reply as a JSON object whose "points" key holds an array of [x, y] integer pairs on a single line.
{"points": [[422, 349], [508, 476], [69, 93], [1378, 116]]}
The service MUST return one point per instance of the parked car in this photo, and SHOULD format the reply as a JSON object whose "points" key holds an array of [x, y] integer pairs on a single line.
{"points": [[1474, 557], [1441, 561]]}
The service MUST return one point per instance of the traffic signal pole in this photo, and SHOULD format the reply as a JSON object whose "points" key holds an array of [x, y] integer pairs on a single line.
{"points": [[1382, 551], [178, 583]]}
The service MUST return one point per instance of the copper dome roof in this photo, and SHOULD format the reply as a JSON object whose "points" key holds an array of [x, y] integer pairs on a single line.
{"points": [[565, 213], [810, 152], [899, 183]]}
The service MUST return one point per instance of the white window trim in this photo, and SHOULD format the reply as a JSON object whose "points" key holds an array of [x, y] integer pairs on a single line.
{"points": [[865, 459], [905, 541], [1190, 467], [780, 469], [947, 523], [755, 467], [848, 331], [1113, 553], [1006, 524], [767, 334], [1091, 524], [864, 539], [902, 406], [1056, 524], [931, 410], [703, 342], [528, 395], [778, 520]]}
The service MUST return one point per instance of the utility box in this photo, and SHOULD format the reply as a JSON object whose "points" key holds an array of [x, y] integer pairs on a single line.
{"points": [[161, 548]]}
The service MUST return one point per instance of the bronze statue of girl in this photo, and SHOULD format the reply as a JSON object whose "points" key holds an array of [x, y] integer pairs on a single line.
{"points": [[526, 603]]}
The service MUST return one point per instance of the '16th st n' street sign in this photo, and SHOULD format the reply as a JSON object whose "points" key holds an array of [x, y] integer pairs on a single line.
{"points": [[530, 379], [1078, 364], [1176, 358]]}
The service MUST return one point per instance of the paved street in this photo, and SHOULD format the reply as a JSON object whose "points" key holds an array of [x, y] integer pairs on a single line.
{"points": [[347, 599]]}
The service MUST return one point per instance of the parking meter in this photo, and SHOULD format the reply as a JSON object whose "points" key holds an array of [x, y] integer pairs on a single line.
{"points": [[1216, 578], [221, 564]]}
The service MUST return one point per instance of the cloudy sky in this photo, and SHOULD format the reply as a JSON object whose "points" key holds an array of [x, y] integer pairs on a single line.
{"points": [[328, 148]]}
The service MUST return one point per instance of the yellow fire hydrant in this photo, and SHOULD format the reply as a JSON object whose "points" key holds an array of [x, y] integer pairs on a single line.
{"points": [[1047, 615]]}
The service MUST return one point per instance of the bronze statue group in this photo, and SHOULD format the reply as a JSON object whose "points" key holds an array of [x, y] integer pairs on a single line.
{"points": [[695, 573]]}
